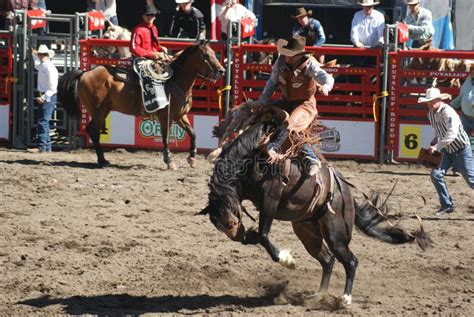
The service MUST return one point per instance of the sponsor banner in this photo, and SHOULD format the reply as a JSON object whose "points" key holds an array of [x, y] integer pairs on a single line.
{"points": [[413, 137], [348, 138], [125, 130], [4, 122]]}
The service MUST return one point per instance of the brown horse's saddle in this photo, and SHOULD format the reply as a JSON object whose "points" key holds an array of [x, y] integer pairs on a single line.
{"points": [[123, 74]]}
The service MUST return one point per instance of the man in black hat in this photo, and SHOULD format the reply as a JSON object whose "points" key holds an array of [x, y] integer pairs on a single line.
{"points": [[298, 76]]}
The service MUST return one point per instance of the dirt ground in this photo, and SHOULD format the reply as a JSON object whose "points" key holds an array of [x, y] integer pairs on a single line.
{"points": [[75, 239]]}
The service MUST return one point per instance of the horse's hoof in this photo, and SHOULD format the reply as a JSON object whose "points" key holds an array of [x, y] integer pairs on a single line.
{"points": [[192, 161], [347, 299], [172, 166], [103, 163], [286, 259]]}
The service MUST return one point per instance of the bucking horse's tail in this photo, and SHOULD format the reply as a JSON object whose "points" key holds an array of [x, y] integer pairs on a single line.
{"points": [[371, 218], [67, 92]]}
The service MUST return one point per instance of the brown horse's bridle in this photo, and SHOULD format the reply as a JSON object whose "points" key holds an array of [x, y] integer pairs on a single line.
{"points": [[205, 57]]}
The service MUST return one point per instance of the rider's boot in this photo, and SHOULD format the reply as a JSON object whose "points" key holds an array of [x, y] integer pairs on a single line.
{"points": [[274, 146], [311, 161]]}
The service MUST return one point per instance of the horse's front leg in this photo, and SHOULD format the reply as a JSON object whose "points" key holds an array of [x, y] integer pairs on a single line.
{"points": [[267, 214], [186, 125], [164, 125]]}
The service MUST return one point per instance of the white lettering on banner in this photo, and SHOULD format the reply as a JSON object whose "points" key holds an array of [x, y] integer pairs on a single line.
{"points": [[449, 74]]}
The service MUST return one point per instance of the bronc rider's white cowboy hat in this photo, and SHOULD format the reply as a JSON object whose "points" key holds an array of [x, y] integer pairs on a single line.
{"points": [[368, 3], [433, 94], [43, 49], [411, 2]]}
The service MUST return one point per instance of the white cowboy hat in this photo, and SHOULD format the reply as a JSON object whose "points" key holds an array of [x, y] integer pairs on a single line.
{"points": [[368, 3], [294, 46], [409, 2], [43, 49], [184, 1], [433, 94]]}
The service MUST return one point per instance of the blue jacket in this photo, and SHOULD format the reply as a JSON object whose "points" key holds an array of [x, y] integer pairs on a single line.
{"points": [[313, 32]]}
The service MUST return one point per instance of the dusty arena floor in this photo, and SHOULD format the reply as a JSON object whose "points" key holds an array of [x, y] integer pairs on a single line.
{"points": [[75, 239]]}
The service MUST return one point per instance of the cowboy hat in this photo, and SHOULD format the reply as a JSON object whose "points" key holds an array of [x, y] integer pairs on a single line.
{"points": [[368, 3], [43, 49], [433, 94], [301, 12], [411, 2], [149, 10], [184, 1], [294, 46]]}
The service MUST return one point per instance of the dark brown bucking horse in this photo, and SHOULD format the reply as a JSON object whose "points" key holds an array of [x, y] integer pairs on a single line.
{"points": [[100, 92], [321, 208]]}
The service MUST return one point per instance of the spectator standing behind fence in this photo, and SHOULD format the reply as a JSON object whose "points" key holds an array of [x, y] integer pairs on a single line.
{"points": [[188, 22], [452, 141], [8, 6], [368, 26], [309, 28], [420, 24], [107, 7], [46, 101], [233, 12], [465, 101]]}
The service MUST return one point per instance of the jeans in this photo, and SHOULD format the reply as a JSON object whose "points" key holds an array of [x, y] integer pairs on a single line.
{"points": [[45, 113], [114, 20], [309, 151], [462, 162], [468, 124]]}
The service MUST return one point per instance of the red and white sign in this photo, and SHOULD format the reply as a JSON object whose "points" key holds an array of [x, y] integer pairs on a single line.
{"points": [[35, 23], [96, 21], [402, 30], [247, 26]]}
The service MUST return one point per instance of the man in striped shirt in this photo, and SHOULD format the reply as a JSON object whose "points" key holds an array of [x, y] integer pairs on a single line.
{"points": [[451, 140]]}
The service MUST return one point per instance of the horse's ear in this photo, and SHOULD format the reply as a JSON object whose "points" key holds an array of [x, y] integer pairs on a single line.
{"points": [[205, 211]]}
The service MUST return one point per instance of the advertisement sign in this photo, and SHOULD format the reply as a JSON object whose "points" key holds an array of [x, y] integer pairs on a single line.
{"points": [[125, 130], [4, 122], [413, 137], [348, 138]]}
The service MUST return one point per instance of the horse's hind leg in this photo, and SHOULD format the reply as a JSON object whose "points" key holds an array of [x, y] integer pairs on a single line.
{"points": [[186, 125], [337, 234], [310, 235], [93, 129]]}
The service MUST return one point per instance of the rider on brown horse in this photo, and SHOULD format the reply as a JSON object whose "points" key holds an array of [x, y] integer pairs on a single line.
{"points": [[297, 74], [145, 46]]}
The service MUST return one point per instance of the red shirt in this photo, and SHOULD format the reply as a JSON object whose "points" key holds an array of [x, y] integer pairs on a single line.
{"points": [[145, 41]]}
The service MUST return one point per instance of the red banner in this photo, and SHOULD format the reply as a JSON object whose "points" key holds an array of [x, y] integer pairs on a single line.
{"points": [[35, 23], [96, 20], [248, 28], [402, 30]]}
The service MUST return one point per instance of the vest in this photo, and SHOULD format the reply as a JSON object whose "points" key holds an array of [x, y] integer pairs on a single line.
{"points": [[295, 85]]}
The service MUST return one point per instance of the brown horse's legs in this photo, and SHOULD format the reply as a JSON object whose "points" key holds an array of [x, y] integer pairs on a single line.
{"points": [[310, 235], [164, 132], [337, 236], [186, 125], [94, 134]]}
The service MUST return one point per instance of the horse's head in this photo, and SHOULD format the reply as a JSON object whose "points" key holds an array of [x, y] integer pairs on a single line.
{"points": [[226, 215], [207, 65]]}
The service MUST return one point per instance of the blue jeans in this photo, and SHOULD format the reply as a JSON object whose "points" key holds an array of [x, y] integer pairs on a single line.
{"points": [[462, 162], [467, 123], [45, 113], [114, 20], [309, 151]]}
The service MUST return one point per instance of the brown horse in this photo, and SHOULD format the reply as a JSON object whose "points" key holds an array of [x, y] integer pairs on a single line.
{"points": [[100, 92], [322, 209]]}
